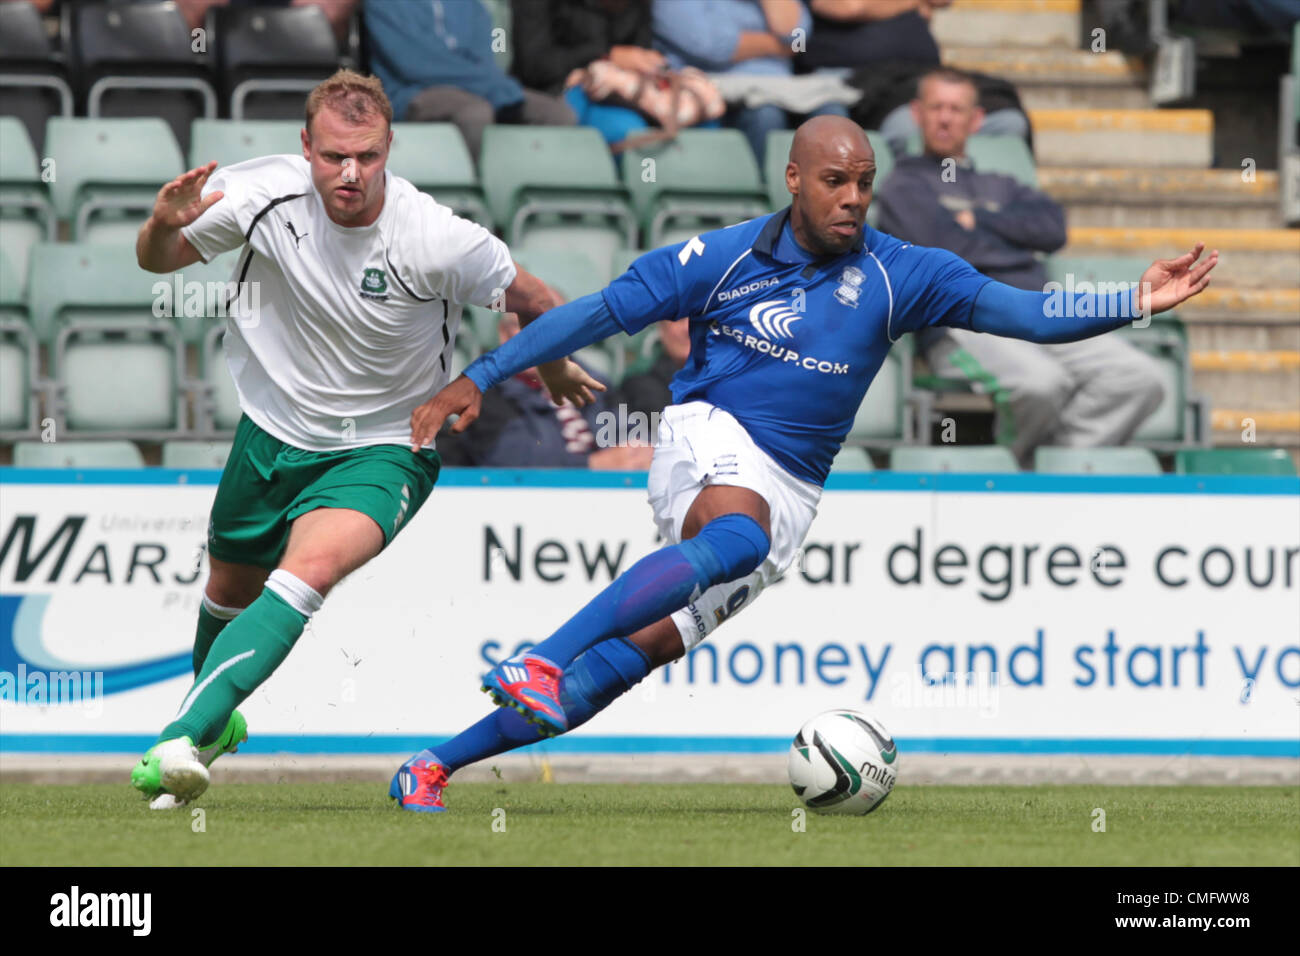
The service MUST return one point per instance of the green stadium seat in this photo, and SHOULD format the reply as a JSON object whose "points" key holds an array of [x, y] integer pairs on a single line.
{"points": [[434, 158], [1008, 155], [852, 458], [957, 458], [26, 214], [195, 454], [17, 378], [109, 172], [1234, 461], [502, 19], [1096, 461], [556, 186], [702, 179], [221, 411], [77, 454], [234, 141], [574, 275], [117, 366], [1181, 417], [778, 155], [883, 418]]}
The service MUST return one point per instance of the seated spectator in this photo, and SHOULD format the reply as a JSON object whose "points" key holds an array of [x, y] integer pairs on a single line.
{"points": [[338, 12], [436, 63], [520, 427], [648, 393], [884, 46], [555, 38], [1080, 394], [757, 37]]}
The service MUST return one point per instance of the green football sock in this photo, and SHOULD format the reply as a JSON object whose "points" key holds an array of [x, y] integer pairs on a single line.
{"points": [[209, 627], [241, 657]]}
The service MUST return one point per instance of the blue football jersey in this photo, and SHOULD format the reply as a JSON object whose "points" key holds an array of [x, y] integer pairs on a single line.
{"points": [[786, 345]]}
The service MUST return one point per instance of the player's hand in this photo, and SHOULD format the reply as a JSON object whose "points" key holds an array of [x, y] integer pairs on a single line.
{"points": [[180, 202], [462, 397], [565, 378], [1171, 281]]}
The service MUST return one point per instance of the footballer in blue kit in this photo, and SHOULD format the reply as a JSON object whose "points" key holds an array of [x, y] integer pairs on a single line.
{"points": [[792, 314]]}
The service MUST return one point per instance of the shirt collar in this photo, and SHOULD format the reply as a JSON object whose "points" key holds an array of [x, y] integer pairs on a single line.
{"points": [[771, 234]]}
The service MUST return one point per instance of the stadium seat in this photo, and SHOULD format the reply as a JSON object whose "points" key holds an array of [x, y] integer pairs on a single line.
{"points": [[574, 275], [1233, 461], [778, 155], [109, 173], [138, 59], [18, 358], [33, 82], [234, 141], [1096, 461], [271, 58], [117, 366], [961, 458], [77, 454], [1182, 417], [556, 185], [702, 179], [222, 413], [852, 458], [1008, 155], [434, 157], [26, 215], [502, 18], [195, 454], [884, 418]]}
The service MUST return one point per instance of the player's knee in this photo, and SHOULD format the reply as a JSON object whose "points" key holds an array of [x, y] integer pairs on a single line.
{"points": [[728, 547]]}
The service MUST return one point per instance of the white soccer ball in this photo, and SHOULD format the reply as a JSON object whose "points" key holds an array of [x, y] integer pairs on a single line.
{"points": [[843, 762]]}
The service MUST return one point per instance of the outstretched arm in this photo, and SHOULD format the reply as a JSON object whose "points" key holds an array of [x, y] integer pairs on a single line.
{"points": [[529, 297], [559, 332], [1046, 318], [160, 246]]}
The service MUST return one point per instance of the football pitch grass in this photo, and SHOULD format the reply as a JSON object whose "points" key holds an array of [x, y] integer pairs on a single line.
{"points": [[303, 824]]}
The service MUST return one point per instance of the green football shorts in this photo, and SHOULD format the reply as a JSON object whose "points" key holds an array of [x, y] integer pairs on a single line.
{"points": [[267, 484]]}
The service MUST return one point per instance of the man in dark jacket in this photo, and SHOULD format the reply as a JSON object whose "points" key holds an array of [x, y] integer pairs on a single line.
{"points": [[1089, 393]]}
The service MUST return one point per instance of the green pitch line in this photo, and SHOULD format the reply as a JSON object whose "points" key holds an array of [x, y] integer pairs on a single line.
{"points": [[692, 824]]}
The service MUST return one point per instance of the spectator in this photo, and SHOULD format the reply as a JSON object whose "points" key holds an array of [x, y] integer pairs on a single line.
{"points": [[757, 37], [884, 46], [520, 427], [555, 38], [338, 12], [1094, 392], [648, 393], [436, 63]]}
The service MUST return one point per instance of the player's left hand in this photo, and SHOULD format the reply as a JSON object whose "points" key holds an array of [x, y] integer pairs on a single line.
{"points": [[1171, 281], [462, 397], [565, 378]]}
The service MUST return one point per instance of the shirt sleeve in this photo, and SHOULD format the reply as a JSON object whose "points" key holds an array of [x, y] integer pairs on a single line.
{"points": [[937, 288], [223, 226], [464, 263], [673, 282]]}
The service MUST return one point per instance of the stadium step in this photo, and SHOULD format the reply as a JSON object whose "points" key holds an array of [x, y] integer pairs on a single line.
{"points": [[1018, 23], [1248, 258], [1230, 427], [1164, 198], [1280, 307], [1240, 360], [1135, 138], [1041, 67], [1242, 335]]}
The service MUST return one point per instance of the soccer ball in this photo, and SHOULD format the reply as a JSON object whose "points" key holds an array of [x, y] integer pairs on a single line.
{"points": [[843, 762]]}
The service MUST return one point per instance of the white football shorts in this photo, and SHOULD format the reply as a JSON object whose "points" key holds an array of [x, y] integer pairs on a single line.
{"points": [[699, 445]]}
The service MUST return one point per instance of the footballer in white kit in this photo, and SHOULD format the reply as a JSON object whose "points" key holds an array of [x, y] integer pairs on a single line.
{"points": [[361, 281]]}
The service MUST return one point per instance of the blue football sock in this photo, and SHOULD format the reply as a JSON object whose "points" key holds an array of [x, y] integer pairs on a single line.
{"points": [[591, 684], [727, 548]]}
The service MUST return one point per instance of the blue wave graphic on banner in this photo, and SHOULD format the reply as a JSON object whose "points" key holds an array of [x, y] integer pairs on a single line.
{"points": [[22, 650]]}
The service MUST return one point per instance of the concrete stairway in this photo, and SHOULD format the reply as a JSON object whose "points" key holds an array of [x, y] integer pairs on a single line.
{"points": [[1138, 181]]}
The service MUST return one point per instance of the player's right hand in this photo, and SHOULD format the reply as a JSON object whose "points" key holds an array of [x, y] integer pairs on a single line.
{"points": [[180, 202], [462, 397]]}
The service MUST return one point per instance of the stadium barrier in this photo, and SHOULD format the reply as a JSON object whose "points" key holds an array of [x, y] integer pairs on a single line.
{"points": [[979, 614]]}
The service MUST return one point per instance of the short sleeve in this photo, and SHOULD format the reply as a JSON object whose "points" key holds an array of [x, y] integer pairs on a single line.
{"points": [[464, 263], [937, 288], [223, 226]]}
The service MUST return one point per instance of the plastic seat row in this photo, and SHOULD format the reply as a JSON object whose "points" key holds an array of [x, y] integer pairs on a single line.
{"points": [[1127, 460]]}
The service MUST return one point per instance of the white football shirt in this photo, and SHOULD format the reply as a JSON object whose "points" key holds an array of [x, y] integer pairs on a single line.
{"points": [[354, 327]]}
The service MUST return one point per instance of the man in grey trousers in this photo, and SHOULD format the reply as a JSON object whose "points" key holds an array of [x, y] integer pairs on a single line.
{"points": [[1080, 394]]}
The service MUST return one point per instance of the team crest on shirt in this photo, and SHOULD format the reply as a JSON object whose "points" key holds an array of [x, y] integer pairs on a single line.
{"points": [[374, 284], [850, 289]]}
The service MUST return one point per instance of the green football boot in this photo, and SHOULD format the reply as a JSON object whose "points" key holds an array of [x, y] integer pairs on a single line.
{"points": [[236, 733], [171, 768]]}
